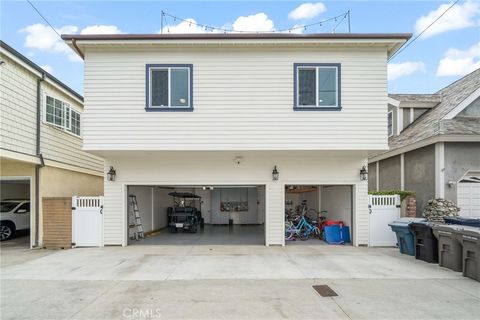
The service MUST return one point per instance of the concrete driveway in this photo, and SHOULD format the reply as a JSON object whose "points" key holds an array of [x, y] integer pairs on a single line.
{"points": [[231, 282]]}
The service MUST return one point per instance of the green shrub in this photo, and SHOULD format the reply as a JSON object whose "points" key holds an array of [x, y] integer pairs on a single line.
{"points": [[403, 194]]}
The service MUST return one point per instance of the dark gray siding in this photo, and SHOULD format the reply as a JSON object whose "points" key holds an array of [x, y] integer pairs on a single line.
{"points": [[460, 157], [420, 175], [372, 176], [390, 173]]}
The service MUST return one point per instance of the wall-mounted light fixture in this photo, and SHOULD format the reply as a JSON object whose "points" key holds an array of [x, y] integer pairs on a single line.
{"points": [[111, 174], [363, 174], [450, 183], [207, 188], [275, 174]]}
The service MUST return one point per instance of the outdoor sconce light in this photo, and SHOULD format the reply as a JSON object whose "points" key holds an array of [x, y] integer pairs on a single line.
{"points": [[111, 174], [450, 183], [363, 173], [275, 174]]}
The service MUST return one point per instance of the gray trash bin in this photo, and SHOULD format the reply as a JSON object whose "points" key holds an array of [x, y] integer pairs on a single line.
{"points": [[469, 238], [449, 247]]}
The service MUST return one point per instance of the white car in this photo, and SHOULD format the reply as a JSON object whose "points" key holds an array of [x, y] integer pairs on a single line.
{"points": [[14, 216]]}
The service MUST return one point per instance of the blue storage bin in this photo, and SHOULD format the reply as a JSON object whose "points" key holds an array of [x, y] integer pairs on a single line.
{"points": [[405, 237], [472, 222], [335, 234]]}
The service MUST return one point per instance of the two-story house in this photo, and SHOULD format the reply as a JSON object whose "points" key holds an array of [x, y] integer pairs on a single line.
{"points": [[434, 146], [40, 142], [243, 120]]}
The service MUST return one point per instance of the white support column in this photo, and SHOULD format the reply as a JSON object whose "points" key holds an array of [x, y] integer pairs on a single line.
{"points": [[399, 120], [411, 115], [439, 170], [402, 171], [377, 176]]}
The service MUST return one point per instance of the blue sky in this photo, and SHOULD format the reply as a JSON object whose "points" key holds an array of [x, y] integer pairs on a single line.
{"points": [[449, 50]]}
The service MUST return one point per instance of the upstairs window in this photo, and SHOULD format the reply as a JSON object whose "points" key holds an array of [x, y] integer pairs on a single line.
{"points": [[169, 88], [317, 86], [61, 115], [390, 123]]}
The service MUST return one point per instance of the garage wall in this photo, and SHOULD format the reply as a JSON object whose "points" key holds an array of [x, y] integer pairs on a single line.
{"points": [[248, 217], [145, 204], [337, 200], [219, 168]]}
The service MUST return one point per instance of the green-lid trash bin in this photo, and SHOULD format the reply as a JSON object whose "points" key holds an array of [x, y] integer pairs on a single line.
{"points": [[469, 238], [449, 247], [405, 238]]}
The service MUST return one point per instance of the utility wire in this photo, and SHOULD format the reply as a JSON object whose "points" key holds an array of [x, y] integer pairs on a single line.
{"points": [[45, 19], [423, 31]]}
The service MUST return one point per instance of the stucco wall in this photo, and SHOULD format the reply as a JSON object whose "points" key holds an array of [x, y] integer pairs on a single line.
{"points": [[55, 182], [390, 173], [460, 157], [420, 175]]}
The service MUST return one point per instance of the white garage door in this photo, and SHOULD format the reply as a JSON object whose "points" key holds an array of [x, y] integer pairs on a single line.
{"points": [[468, 197]]}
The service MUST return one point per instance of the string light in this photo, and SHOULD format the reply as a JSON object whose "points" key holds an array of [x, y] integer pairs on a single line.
{"points": [[226, 30]]}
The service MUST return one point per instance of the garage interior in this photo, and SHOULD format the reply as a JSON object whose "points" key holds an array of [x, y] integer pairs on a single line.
{"points": [[16, 191], [232, 215], [332, 202]]}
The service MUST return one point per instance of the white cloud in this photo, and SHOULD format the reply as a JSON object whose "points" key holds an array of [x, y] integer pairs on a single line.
{"points": [[458, 17], [187, 26], [253, 23], [101, 29], [456, 62], [47, 68], [43, 38], [397, 70], [307, 11]]}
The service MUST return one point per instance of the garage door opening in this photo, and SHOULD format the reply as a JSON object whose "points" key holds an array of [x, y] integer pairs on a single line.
{"points": [[196, 215], [311, 208], [15, 212]]}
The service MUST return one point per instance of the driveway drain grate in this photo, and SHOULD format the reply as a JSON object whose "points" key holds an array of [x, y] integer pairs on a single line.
{"points": [[325, 291]]}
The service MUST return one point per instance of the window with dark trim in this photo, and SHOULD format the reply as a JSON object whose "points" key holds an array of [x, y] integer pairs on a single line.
{"points": [[317, 86], [169, 87]]}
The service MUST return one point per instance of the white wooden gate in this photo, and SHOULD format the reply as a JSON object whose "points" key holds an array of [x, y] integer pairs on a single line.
{"points": [[87, 221], [383, 210]]}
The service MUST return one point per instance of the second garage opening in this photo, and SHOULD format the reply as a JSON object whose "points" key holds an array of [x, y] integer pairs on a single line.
{"points": [[196, 215], [318, 214]]}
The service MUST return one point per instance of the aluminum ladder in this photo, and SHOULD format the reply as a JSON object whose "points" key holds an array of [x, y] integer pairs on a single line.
{"points": [[136, 223]]}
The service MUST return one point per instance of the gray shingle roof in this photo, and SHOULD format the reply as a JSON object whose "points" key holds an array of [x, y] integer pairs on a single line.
{"points": [[430, 124]]}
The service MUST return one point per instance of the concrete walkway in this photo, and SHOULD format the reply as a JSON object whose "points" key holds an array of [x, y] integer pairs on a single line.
{"points": [[231, 282]]}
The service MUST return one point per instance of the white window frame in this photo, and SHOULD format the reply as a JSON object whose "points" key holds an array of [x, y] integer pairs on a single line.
{"points": [[169, 69], [317, 70], [390, 133], [66, 108]]}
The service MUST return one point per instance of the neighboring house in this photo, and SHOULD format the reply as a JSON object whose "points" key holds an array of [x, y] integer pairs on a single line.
{"points": [[41, 138], [266, 111], [434, 146]]}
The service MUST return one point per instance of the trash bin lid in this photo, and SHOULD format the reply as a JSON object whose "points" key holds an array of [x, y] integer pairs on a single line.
{"points": [[463, 220], [423, 224], [470, 231], [449, 227], [403, 222]]}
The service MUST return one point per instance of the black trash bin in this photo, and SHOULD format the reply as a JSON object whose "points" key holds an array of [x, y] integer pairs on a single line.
{"points": [[426, 245], [463, 221], [449, 247], [469, 238]]}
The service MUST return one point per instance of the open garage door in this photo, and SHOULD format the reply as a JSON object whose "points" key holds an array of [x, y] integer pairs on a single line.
{"points": [[15, 193], [196, 215], [318, 214]]}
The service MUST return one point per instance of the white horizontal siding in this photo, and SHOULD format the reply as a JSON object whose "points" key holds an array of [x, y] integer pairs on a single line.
{"points": [[18, 108], [59, 145], [242, 98]]}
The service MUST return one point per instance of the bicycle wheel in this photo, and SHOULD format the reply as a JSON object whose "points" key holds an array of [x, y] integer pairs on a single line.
{"points": [[303, 235]]}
